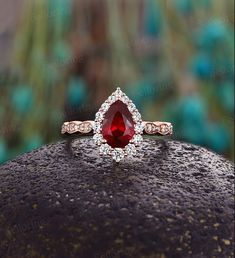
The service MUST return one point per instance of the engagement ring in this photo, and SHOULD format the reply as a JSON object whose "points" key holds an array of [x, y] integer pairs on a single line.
{"points": [[118, 127]]}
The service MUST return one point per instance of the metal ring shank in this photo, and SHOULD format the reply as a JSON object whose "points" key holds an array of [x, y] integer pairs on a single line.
{"points": [[85, 127]]}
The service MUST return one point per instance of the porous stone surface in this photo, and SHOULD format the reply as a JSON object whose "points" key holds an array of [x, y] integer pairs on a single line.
{"points": [[173, 200]]}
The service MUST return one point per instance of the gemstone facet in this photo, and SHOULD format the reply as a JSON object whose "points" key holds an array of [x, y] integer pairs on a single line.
{"points": [[118, 127]]}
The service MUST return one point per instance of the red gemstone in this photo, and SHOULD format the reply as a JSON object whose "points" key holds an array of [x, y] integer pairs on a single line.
{"points": [[118, 125]]}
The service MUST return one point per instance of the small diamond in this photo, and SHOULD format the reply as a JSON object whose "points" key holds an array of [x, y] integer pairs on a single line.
{"points": [[137, 139], [118, 92], [105, 106], [124, 99], [164, 129], [98, 138], [71, 128], [112, 98], [118, 154], [130, 150], [64, 129], [105, 149], [151, 128], [139, 128], [81, 126], [97, 127], [132, 107], [99, 116], [84, 127], [137, 117]]}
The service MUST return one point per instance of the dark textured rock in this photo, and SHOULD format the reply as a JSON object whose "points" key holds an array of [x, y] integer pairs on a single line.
{"points": [[173, 200]]}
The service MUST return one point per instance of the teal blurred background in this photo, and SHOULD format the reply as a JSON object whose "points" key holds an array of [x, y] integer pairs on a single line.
{"points": [[60, 59]]}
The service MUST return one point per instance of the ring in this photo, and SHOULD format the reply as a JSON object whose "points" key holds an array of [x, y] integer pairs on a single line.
{"points": [[118, 127]]}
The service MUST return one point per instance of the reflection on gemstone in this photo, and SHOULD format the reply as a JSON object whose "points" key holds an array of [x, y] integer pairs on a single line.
{"points": [[118, 125]]}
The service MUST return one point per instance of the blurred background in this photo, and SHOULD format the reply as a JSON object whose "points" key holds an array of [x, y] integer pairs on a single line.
{"points": [[60, 59]]}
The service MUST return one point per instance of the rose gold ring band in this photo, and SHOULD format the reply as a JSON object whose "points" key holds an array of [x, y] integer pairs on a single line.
{"points": [[85, 127]]}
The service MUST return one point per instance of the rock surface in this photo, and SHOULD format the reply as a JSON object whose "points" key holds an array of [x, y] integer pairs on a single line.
{"points": [[173, 200]]}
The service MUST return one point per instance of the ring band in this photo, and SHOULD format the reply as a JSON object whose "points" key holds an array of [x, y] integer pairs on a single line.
{"points": [[85, 127], [118, 127]]}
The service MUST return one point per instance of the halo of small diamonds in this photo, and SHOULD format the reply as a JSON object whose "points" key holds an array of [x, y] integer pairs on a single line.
{"points": [[118, 154]]}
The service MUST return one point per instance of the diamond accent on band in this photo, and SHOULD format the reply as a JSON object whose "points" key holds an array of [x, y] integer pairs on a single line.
{"points": [[151, 128], [164, 129], [77, 127], [64, 129], [128, 148], [72, 128], [84, 127], [158, 128]]}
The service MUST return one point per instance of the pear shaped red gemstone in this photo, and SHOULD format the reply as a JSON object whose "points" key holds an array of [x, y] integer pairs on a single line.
{"points": [[118, 125]]}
